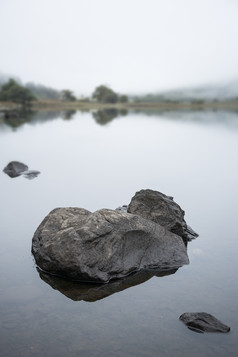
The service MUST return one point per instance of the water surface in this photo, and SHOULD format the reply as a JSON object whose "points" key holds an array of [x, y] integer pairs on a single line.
{"points": [[99, 160]]}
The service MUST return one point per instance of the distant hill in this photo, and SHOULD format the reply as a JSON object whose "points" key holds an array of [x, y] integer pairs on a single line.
{"points": [[43, 92], [227, 91]]}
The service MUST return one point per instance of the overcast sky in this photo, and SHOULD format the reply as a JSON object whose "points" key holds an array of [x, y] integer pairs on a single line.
{"points": [[134, 46]]}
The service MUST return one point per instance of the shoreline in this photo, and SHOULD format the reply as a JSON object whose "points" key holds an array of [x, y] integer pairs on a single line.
{"points": [[91, 106]]}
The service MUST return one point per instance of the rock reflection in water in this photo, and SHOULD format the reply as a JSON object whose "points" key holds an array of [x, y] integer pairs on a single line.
{"points": [[78, 291]]}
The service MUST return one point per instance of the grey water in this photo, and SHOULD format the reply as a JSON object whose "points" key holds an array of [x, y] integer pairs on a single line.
{"points": [[99, 160]]}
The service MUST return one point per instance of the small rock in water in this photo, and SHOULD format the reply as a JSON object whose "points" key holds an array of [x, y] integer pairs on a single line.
{"points": [[203, 322], [15, 169]]}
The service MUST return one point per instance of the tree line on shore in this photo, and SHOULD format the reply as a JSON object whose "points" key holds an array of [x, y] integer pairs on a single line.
{"points": [[12, 91]]}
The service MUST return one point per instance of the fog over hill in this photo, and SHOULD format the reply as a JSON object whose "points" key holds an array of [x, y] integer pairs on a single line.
{"points": [[221, 91], [5, 77], [224, 91]]}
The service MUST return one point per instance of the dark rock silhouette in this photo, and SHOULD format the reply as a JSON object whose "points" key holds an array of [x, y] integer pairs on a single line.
{"points": [[104, 245], [15, 169], [203, 322]]}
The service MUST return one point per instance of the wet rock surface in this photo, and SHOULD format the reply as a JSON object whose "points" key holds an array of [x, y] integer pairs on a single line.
{"points": [[161, 209], [104, 245], [16, 168], [203, 322]]}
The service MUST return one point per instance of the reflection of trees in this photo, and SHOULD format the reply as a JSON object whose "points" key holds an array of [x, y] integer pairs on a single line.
{"points": [[18, 117], [123, 112], [92, 292], [67, 114], [43, 116], [104, 116]]}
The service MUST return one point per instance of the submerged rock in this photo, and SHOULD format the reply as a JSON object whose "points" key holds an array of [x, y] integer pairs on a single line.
{"points": [[104, 245], [203, 322], [161, 209], [15, 169]]}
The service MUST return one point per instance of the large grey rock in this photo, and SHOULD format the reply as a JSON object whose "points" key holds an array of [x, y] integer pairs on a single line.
{"points": [[163, 210], [203, 322], [104, 245]]}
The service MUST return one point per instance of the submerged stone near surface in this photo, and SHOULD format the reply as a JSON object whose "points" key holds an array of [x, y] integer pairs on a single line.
{"points": [[104, 245], [161, 209], [15, 169], [203, 322]]}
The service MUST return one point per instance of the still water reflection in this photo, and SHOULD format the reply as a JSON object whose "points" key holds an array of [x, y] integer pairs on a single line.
{"points": [[93, 292], [96, 160]]}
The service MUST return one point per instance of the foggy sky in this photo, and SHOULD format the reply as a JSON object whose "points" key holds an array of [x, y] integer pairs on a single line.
{"points": [[134, 46]]}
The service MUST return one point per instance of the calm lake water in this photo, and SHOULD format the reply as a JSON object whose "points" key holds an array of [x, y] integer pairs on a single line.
{"points": [[97, 160]]}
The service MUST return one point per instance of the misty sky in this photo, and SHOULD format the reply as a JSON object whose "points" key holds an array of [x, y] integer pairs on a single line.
{"points": [[134, 46]]}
